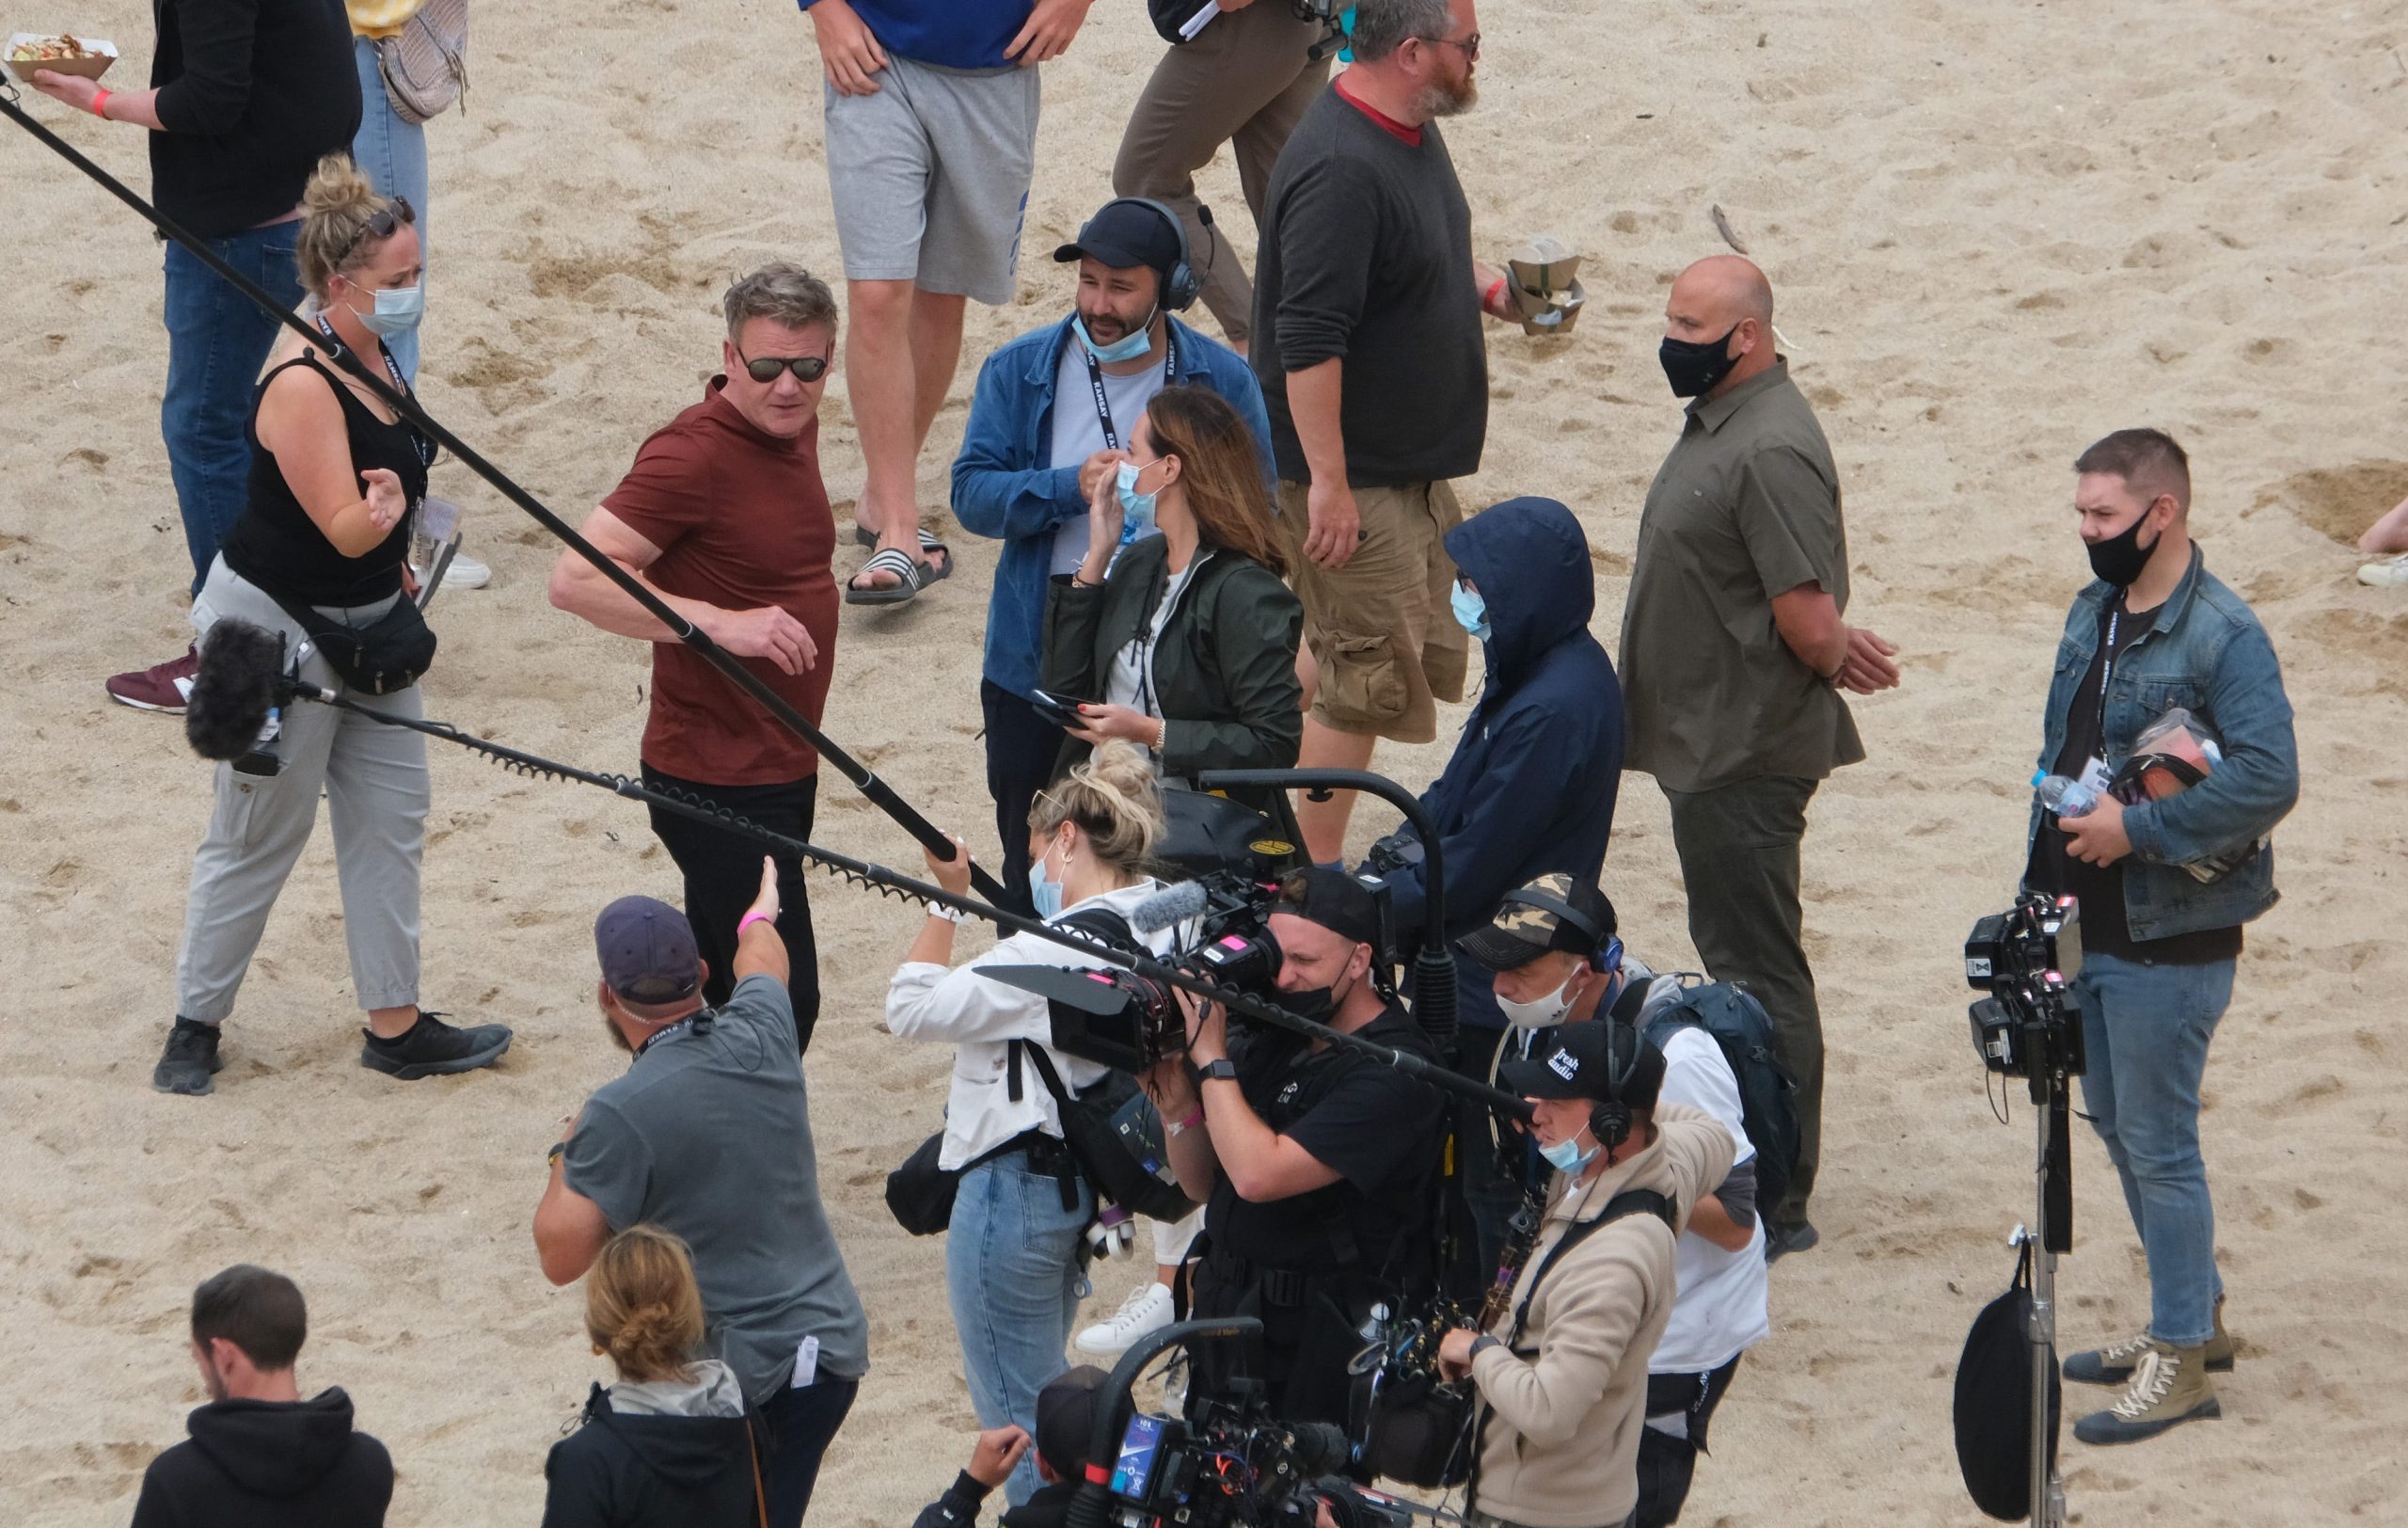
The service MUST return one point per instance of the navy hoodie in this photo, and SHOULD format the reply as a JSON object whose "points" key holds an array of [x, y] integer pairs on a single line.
{"points": [[269, 1464], [1531, 788], [651, 1471]]}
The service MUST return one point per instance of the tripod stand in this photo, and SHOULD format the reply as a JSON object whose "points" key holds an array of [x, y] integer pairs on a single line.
{"points": [[2053, 1042]]}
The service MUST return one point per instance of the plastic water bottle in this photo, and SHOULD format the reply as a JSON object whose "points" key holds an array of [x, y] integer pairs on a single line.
{"points": [[2063, 796]]}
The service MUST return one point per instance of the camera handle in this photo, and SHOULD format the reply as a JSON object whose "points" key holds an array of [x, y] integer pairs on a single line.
{"points": [[1092, 1506], [1433, 962]]}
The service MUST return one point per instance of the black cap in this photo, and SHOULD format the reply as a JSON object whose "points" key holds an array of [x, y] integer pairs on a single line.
{"points": [[647, 951], [1129, 233], [1334, 899], [1066, 1419], [1570, 1060], [1527, 926]]}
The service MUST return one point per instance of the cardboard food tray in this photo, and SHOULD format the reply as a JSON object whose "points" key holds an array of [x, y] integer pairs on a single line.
{"points": [[91, 68]]}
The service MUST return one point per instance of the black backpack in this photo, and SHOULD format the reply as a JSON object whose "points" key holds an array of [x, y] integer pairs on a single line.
{"points": [[1767, 1092]]}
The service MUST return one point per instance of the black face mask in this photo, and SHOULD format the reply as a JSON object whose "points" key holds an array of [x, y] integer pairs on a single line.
{"points": [[1314, 1003], [1694, 367], [2119, 559]]}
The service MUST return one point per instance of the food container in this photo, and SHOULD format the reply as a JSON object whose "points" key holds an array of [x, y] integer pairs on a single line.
{"points": [[102, 54]]}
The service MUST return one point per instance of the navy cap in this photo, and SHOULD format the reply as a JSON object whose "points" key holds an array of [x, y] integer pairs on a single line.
{"points": [[647, 951], [1128, 234], [1576, 1060], [1066, 1419]]}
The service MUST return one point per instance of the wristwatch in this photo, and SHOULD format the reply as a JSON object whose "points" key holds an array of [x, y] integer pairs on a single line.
{"points": [[1220, 1069], [1484, 1340]]}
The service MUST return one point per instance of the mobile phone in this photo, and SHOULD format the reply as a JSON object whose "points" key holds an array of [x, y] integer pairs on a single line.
{"points": [[1058, 710]]}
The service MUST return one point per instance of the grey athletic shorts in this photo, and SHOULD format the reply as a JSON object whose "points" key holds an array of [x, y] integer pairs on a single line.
{"points": [[929, 176]]}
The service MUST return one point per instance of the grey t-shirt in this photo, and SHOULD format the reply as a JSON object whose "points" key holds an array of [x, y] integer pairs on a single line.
{"points": [[1078, 432], [708, 1135]]}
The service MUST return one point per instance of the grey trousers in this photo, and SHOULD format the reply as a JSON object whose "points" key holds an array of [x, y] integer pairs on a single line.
{"points": [[1739, 854], [1243, 82], [375, 783]]}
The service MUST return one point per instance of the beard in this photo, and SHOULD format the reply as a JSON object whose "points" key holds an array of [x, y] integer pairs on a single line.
{"points": [[618, 1037], [1104, 327], [1449, 98]]}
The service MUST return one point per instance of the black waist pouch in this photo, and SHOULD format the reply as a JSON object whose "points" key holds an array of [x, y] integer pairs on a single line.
{"points": [[385, 656]]}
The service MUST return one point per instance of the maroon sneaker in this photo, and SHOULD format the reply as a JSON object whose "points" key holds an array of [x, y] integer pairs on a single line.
{"points": [[162, 686]]}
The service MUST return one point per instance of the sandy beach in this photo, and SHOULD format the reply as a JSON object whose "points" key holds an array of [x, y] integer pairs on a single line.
{"points": [[1996, 232]]}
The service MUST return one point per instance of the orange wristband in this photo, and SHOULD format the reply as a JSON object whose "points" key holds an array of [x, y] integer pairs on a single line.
{"points": [[1488, 298], [101, 104]]}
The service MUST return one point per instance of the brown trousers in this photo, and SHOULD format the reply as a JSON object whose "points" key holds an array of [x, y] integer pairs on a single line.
{"points": [[1244, 82]]}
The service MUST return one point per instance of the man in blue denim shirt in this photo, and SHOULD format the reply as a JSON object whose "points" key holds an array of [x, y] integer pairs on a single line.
{"points": [[1027, 469], [2153, 632]]}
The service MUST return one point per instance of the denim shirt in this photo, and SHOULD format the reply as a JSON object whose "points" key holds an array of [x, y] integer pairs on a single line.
{"points": [[2205, 651], [1002, 487]]}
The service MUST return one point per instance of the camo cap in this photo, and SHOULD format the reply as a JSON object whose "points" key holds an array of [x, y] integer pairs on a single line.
{"points": [[1530, 923]]}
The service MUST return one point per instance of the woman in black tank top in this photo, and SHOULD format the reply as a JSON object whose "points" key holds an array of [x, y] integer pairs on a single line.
{"points": [[335, 478]]}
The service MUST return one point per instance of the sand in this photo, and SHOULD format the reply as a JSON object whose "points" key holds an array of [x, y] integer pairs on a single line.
{"points": [[1997, 232]]}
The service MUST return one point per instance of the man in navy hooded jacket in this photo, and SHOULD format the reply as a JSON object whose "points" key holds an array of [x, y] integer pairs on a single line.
{"points": [[1530, 787]]}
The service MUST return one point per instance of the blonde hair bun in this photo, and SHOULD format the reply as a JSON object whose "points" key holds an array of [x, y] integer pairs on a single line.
{"points": [[336, 208]]}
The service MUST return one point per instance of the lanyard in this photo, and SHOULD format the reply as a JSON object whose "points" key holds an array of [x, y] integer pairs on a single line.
{"points": [[418, 443], [1095, 380], [2107, 672]]}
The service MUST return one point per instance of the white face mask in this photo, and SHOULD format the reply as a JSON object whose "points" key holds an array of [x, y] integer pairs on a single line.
{"points": [[1540, 1013]]}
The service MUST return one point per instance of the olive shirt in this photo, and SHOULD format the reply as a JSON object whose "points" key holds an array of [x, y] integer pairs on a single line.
{"points": [[1745, 508]]}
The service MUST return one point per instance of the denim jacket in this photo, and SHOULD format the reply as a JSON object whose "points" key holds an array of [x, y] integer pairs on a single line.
{"points": [[2205, 651], [1002, 487]]}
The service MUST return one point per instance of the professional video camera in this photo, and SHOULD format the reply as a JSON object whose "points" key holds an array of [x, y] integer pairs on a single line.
{"points": [[1225, 1460], [2023, 958]]}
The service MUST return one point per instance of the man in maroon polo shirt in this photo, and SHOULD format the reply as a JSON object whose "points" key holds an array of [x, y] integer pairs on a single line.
{"points": [[723, 516]]}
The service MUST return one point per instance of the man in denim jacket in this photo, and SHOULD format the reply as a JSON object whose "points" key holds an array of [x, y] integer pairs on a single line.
{"points": [[2153, 632]]}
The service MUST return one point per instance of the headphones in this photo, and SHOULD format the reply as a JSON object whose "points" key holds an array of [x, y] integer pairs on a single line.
{"points": [[1610, 1120], [1181, 286], [1609, 947]]}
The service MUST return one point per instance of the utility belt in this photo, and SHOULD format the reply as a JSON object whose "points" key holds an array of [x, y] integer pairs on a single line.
{"points": [[1287, 1287]]}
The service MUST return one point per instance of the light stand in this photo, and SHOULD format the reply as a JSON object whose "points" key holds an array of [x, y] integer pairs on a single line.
{"points": [[2053, 1038]]}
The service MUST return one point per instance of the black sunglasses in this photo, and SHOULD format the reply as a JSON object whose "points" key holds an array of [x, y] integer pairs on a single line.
{"points": [[385, 224], [805, 368]]}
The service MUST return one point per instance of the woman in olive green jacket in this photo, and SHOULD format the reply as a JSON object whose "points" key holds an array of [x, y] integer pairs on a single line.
{"points": [[1188, 646]]}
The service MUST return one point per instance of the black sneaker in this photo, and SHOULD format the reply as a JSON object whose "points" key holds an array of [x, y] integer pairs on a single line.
{"points": [[190, 1056], [1781, 1240], [431, 1047]]}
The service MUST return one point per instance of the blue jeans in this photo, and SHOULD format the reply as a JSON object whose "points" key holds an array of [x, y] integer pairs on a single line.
{"points": [[393, 155], [1011, 1265], [217, 340], [2144, 1030]]}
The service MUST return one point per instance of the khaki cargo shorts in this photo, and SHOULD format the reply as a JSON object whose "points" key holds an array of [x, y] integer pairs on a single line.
{"points": [[1388, 646]]}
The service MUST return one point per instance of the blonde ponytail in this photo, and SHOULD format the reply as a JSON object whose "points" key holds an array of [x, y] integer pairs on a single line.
{"points": [[643, 1306], [337, 207], [1116, 800]]}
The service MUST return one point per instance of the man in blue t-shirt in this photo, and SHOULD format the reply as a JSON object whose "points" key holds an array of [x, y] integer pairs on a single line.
{"points": [[708, 1136], [931, 137]]}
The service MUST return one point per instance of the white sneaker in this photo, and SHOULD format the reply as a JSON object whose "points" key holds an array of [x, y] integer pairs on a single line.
{"points": [[2391, 573], [466, 572], [1147, 1308]]}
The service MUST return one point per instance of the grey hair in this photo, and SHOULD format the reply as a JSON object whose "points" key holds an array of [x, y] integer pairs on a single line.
{"points": [[783, 292], [1381, 26]]}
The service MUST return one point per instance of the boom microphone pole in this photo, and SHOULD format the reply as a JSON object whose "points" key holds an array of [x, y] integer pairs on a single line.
{"points": [[880, 795]]}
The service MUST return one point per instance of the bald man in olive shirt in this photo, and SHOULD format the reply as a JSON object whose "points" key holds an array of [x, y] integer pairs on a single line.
{"points": [[1733, 656]]}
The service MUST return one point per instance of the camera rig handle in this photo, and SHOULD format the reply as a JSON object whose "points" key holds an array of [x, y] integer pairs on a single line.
{"points": [[1433, 960], [1092, 1506]]}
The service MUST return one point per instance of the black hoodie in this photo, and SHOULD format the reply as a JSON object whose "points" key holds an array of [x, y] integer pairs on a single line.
{"points": [[269, 1464], [651, 1472]]}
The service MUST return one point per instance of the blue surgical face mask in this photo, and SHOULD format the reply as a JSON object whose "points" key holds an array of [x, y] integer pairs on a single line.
{"points": [[1045, 892], [1471, 611], [1137, 509], [397, 311], [1128, 347], [1566, 1155]]}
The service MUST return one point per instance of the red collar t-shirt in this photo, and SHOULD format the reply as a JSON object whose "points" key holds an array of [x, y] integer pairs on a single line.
{"points": [[741, 520], [1409, 136]]}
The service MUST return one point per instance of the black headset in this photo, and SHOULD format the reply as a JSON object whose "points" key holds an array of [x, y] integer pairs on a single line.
{"points": [[1610, 1120], [1609, 947], [1180, 284]]}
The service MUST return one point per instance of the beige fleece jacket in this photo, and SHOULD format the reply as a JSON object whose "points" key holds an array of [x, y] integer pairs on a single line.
{"points": [[1563, 1407]]}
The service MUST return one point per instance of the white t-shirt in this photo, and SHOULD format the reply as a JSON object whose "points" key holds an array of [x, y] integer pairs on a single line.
{"points": [[1130, 683], [1078, 432], [1719, 1310]]}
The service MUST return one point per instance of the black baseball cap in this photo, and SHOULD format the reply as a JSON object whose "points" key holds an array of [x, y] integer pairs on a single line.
{"points": [[647, 951], [1526, 927], [1574, 1060], [1126, 233], [1334, 899], [1066, 1419]]}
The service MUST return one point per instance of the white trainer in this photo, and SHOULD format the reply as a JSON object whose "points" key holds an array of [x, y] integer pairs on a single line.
{"points": [[1147, 1308], [2391, 573]]}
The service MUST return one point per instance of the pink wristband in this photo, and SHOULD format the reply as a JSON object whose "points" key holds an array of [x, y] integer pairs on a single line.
{"points": [[1488, 298], [1182, 1127], [101, 104], [751, 918]]}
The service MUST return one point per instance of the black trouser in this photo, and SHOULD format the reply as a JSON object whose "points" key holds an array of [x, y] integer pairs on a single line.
{"points": [[1493, 1190], [1311, 1333], [1022, 750], [1739, 854], [802, 1424], [1666, 1463], [722, 873]]}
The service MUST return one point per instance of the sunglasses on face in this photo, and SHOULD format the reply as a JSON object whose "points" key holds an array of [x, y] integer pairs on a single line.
{"points": [[1470, 45], [765, 369]]}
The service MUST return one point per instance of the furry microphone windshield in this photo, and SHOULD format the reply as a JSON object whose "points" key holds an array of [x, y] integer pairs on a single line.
{"points": [[236, 687]]}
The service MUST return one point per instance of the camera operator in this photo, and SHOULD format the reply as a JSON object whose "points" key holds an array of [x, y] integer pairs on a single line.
{"points": [[2154, 632], [1564, 1386], [1065, 1428], [1315, 1163]]}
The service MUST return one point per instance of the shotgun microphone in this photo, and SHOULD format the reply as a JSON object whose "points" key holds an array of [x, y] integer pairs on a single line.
{"points": [[240, 680]]}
